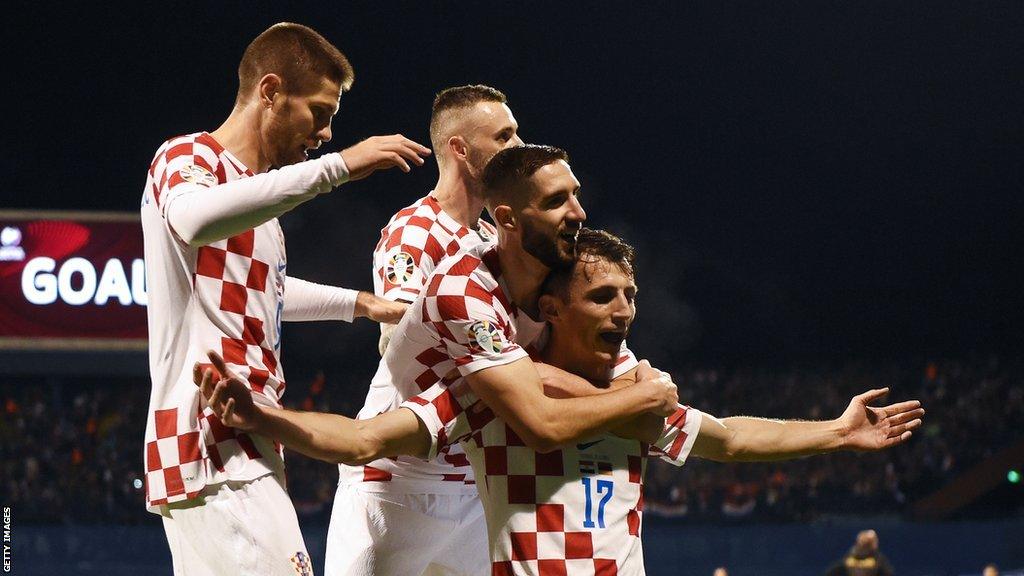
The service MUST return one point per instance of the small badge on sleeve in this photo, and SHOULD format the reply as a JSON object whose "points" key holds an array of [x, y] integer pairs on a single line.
{"points": [[197, 175], [485, 336], [400, 268], [302, 564]]}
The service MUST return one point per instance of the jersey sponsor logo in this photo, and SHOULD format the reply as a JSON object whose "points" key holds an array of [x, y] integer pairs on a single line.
{"points": [[485, 336], [197, 175], [584, 445], [400, 268]]}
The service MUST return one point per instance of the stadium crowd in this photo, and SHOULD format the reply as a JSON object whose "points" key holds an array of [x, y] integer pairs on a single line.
{"points": [[70, 449]]}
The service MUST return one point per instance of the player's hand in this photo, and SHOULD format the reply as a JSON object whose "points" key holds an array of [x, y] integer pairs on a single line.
{"points": [[659, 386], [379, 309], [869, 428], [228, 397], [380, 153]]}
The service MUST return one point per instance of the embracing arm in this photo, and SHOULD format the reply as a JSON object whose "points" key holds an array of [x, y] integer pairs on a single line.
{"points": [[515, 394], [861, 427], [558, 383]]}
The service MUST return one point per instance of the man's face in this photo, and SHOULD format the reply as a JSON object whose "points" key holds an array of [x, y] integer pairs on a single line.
{"points": [[301, 122], [488, 129], [550, 220], [595, 318]]}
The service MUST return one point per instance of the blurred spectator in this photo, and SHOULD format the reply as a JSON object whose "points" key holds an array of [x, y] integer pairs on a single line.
{"points": [[864, 559], [990, 570]]}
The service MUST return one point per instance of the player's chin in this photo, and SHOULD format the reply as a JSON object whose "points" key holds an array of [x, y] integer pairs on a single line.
{"points": [[608, 345]]}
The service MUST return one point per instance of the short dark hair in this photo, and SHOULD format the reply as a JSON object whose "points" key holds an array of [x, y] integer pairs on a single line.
{"points": [[510, 168], [296, 53], [590, 246], [458, 98]]}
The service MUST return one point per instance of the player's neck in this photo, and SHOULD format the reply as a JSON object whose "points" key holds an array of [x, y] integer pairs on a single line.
{"points": [[239, 135], [459, 199], [560, 353], [523, 274]]}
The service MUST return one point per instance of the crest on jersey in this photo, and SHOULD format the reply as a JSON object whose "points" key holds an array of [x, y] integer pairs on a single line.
{"points": [[197, 175], [400, 268], [302, 565], [485, 336]]}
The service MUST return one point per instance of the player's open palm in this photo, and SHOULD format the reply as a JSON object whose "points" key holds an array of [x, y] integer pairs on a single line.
{"points": [[380, 153], [876, 428], [228, 397]]}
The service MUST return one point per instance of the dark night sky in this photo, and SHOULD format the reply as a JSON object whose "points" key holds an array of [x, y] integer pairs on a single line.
{"points": [[803, 179]]}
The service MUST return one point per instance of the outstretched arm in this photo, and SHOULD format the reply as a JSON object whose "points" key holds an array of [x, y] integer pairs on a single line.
{"points": [[861, 427], [329, 437]]}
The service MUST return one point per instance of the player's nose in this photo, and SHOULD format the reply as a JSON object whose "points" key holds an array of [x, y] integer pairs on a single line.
{"points": [[325, 134], [576, 213]]}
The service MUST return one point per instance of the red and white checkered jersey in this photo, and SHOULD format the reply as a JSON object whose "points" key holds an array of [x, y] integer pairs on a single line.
{"points": [[573, 511], [226, 296], [412, 244]]}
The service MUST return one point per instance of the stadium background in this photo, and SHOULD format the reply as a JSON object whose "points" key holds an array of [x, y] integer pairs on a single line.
{"points": [[825, 196]]}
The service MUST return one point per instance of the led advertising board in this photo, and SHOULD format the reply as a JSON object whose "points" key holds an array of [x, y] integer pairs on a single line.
{"points": [[71, 281]]}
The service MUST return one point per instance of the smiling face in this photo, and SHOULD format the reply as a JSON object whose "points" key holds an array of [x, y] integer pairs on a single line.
{"points": [[549, 222], [591, 317], [298, 122]]}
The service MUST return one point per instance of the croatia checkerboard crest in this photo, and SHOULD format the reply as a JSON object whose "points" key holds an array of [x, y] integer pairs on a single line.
{"points": [[302, 565], [485, 336], [197, 175], [400, 268]]}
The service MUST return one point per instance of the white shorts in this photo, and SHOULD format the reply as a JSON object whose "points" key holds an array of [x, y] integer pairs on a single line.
{"points": [[384, 534], [237, 528]]}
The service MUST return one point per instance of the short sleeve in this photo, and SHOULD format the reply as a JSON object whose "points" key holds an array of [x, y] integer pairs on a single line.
{"points": [[412, 245], [677, 438], [402, 269], [472, 324], [440, 408]]}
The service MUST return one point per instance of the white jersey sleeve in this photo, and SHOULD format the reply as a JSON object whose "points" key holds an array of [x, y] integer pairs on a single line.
{"points": [[305, 301], [676, 441], [223, 210]]}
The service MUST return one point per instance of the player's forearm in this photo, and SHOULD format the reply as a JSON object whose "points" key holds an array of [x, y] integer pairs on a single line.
{"points": [[558, 383], [330, 437], [306, 301], [761, 439], [563, 421], [204, 215]]}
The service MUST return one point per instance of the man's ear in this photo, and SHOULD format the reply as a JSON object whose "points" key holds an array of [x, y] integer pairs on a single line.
{"points": [[504, 217], [549, 306], [458, 148], [269, 87]]}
